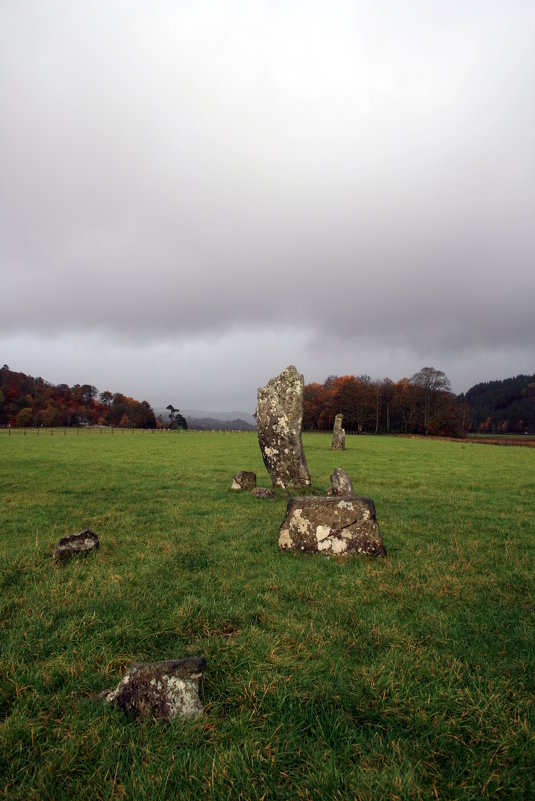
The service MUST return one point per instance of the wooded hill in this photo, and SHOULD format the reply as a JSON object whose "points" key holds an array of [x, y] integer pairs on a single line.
{"points": [[27, 401], [502, 406]]}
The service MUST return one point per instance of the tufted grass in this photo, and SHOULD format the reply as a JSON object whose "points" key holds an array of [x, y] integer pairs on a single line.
{"points": [[410, 677]]}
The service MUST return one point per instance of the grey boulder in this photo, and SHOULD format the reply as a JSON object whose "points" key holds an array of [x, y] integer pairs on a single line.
{"points": [[262, 492], [163, 690], [341, 483], [242, 480], [75, 545], [341, 526]]}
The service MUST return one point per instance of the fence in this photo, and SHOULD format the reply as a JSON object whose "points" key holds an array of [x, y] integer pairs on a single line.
{"points": [[85, 431], [69, 431]]}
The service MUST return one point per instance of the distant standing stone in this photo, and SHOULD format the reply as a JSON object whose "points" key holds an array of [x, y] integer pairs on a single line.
{"points": [[339, 435], [341, 483], [263, 492], [331, 526], [163, 690], [279, 422], [75, 545], [243, 480]]}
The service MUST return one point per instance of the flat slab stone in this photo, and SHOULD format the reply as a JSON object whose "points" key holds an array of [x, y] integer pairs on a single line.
{"points": [[279, 420], [244, 479], [331, 526], [162, 690], [262, 492], [75, 545]]}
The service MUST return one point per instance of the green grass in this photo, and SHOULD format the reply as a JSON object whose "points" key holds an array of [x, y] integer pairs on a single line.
{"points": [[410, 677]]}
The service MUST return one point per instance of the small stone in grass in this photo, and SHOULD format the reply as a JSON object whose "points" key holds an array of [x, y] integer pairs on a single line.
{"points": [[75, 545], [244, 479], [263, 492], [162, 690], [341, 483]]}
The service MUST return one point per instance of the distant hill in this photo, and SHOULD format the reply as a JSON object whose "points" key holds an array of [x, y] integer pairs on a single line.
{"points": [[203, 420], [502, 406], [215, 424], [225, 416]]}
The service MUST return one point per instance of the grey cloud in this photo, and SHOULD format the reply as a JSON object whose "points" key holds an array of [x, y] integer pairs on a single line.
{"points": [[359, 174]]}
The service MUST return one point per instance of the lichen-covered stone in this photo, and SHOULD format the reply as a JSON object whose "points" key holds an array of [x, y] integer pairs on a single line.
{"points": [[243, 480], [263, 492], [163, 690], [331, 526], [339, 435], [75, 545], [279, 423], [341, 483]]}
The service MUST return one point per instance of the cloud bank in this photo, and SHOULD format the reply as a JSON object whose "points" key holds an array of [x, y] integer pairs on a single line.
{"points": [[348, 187]]}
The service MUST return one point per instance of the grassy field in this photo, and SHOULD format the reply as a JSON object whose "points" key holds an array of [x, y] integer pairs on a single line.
{"points": [[410, 677]]}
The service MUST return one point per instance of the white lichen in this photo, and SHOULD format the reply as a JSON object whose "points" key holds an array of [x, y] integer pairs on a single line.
{"points": [[281, 426], [339, 546], [344, 505], [299, 522], [322, 532], [325, 545], [285, 541], [183, 698]]}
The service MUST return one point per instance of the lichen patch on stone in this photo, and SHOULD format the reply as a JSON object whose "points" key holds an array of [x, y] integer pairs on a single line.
{"points": [[322, 532], [339, 546], [325, 545], [285, 541]]}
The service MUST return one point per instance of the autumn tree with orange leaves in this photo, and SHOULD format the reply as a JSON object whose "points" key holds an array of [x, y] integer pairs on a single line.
{"points": [[28, 401], [422, 404]]}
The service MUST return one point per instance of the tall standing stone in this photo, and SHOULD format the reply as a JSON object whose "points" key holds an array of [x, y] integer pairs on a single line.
{"points": [[279, 422], [339, 435]]}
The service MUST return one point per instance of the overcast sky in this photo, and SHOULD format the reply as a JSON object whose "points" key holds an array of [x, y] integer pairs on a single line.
{"points": [[196, 194]]}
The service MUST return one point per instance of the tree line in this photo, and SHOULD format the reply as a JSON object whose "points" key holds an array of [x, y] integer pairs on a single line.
{"points": [[422, 404], [27, 401]]}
